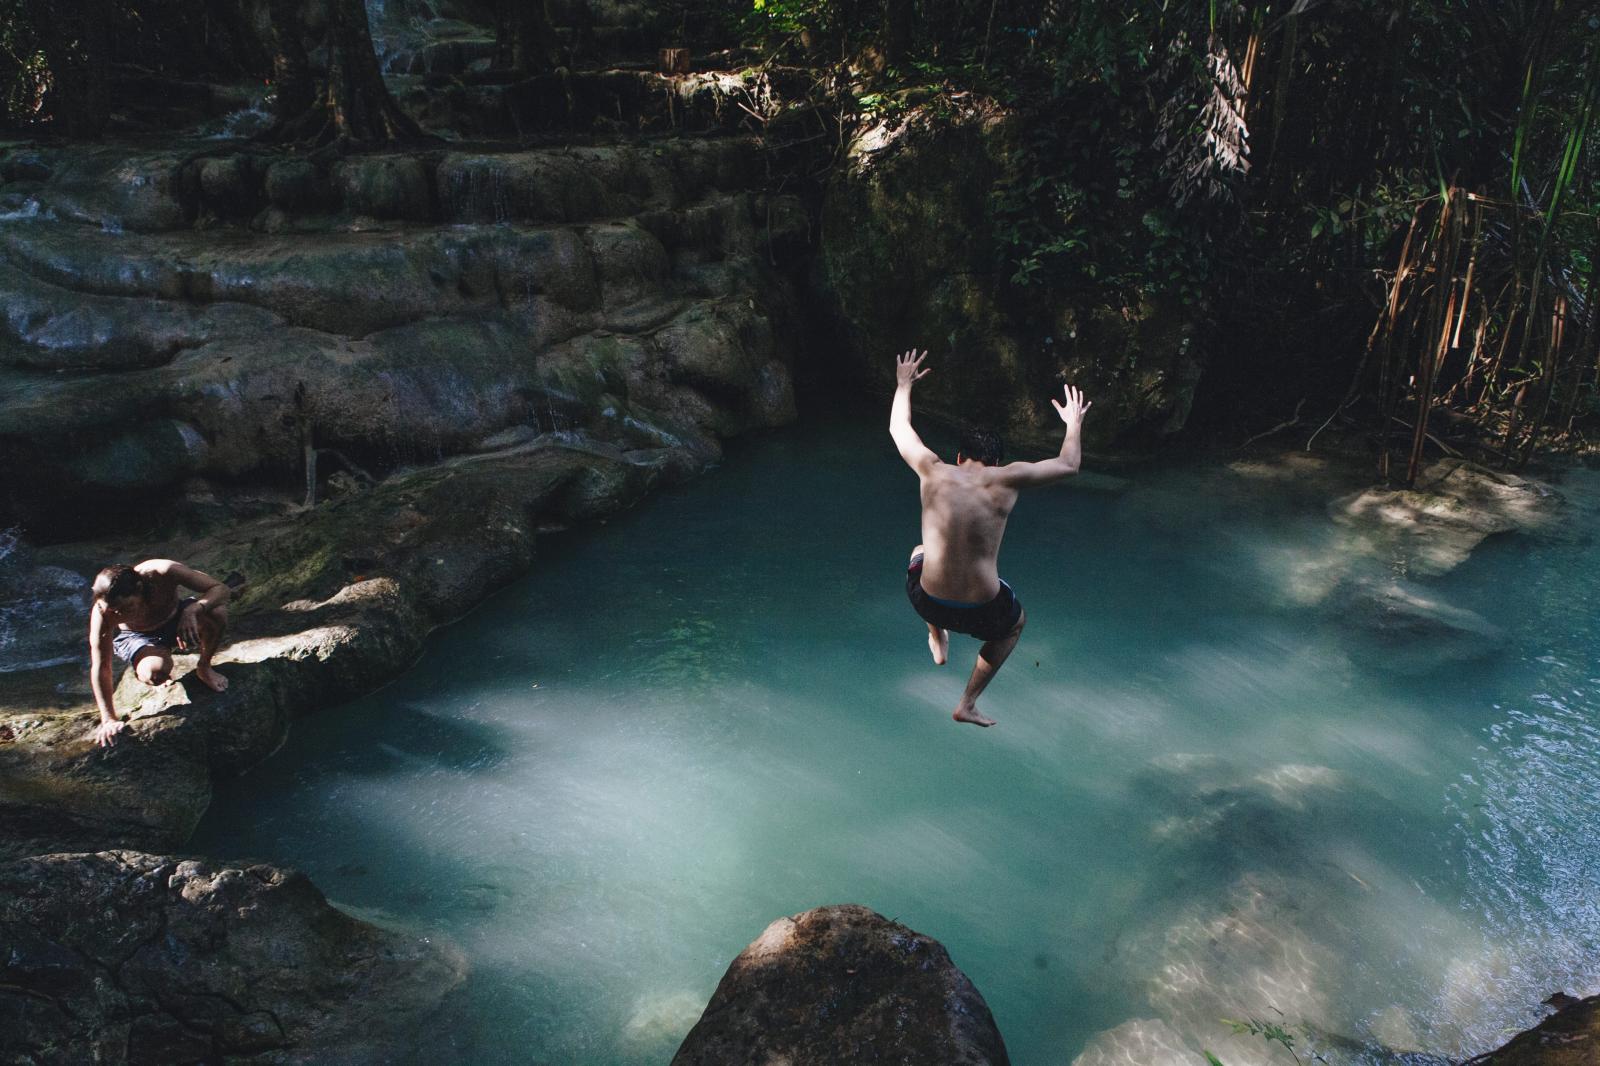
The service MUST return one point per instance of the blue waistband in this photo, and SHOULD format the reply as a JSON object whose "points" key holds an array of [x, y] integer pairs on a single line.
{"points": [[964, 605]]}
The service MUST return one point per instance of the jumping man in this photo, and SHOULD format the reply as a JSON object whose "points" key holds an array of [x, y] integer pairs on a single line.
{"points": [[138, 615], [954, 577]]}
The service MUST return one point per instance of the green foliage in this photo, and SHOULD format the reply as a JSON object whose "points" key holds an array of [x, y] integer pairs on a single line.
{"points": [[1271, 1032], [25, 76]]}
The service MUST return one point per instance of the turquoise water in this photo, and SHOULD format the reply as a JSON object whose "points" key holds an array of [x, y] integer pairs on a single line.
{"points": [[1210, 793]]}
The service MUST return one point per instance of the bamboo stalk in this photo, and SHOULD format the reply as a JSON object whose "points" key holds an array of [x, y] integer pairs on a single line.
{"points": [[1444, 312], [1558, 322]]}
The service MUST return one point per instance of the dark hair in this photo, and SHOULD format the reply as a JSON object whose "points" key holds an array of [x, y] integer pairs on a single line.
{"points": [[982, 444], [119, 582]]}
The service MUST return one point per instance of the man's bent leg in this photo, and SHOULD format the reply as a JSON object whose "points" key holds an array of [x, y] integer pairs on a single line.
{"points": [[990, 658], [938, 639], [213, 624], [153, 665]]}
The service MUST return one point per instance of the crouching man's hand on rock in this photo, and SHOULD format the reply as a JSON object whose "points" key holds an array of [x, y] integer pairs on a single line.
{"points": [[106, 734]]}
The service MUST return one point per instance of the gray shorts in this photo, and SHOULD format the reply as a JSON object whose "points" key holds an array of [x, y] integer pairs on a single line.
{"points": [[129, 643]]}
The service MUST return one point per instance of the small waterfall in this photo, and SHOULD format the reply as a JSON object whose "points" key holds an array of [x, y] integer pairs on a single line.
{"points": [[476, 191], [42, 610]]}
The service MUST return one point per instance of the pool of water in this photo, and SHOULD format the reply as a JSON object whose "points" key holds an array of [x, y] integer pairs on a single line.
{"points": [[1210, 794]]}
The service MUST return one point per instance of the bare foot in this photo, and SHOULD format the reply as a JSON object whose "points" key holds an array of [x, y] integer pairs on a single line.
{"points": [[211, 678], [971, 715], [939, 644]]}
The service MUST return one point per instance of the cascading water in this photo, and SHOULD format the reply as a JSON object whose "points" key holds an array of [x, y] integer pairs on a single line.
{"points": [[42, 609]]}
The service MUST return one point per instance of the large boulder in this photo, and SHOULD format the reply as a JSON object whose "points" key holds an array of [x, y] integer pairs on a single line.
{"points": [[124, 957], [912, 258], [844, 984]]}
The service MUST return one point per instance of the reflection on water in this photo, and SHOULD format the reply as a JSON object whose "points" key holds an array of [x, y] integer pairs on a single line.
{"points": [[1211, 794]]}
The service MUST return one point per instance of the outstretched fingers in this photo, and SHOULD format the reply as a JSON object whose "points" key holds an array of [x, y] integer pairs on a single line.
{"points": [[910, 363], [1074, 407]]}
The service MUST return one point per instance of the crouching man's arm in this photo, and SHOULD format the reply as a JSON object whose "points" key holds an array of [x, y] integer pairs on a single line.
{"points": [[213, 594], [100, 637], [1045, 471]]}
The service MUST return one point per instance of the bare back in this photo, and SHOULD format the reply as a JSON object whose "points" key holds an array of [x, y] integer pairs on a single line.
{"points": [[964, 511]]}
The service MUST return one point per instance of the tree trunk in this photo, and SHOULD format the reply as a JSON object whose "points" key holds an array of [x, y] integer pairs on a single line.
{"points": [[291, 77], [78, 43], [351, 105], [897, 29], [523, 39]]}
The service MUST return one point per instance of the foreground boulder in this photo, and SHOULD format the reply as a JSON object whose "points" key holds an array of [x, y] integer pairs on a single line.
{"points": [[844, 984], [123, 957]]}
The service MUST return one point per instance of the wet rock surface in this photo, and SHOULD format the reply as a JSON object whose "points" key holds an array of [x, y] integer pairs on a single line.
{"points": [[123, 957], [1570, 1037], [843, 984]]}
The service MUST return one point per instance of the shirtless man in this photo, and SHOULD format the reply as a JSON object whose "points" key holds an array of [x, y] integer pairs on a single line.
{"points": [[954, 577], [138, 615]]}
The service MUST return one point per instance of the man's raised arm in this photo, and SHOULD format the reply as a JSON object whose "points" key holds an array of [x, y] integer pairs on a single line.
{"points": [[1045, 471], [918, 456]]}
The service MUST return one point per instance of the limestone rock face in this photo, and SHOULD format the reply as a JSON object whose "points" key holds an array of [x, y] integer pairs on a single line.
{"points": [[123, 957], [909, 257], [844, 984], [166, 317]]}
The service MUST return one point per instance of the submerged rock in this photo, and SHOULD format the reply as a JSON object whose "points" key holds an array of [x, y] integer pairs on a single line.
{"points": [[1410, 629], [843, 984], [124, 957]]}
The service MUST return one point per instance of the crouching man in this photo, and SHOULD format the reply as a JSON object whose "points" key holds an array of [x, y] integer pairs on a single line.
{"points": [[139, 616]]}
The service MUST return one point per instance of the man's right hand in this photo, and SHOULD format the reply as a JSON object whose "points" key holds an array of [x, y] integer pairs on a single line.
{"points": [[905, 368], [106, 734], [1074, 409]]}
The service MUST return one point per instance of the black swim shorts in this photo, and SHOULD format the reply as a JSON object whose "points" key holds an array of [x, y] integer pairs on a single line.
{"points": [[127, 644], [986, 621]]}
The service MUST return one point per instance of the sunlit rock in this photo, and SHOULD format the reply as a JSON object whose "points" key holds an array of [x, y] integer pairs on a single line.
{"points": [[1431, 528]]}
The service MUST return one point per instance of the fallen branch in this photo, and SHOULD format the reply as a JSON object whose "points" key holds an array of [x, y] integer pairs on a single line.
{"points": [[1454, 453], [1294, 420]]}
